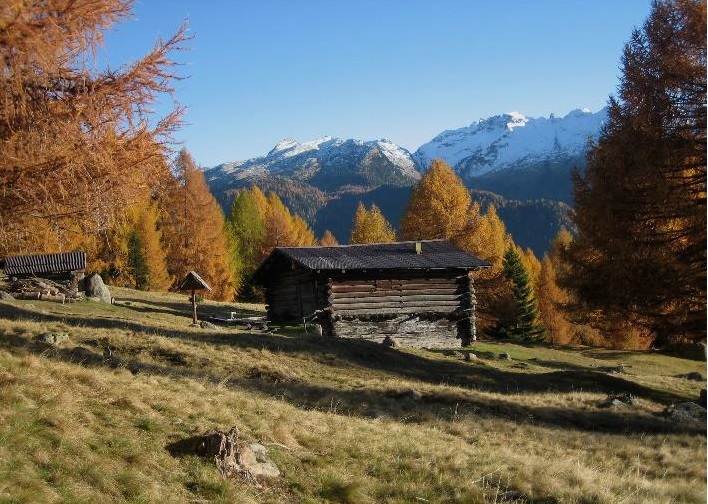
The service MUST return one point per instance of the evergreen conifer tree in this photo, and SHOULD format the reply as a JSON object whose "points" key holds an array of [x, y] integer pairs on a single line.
{"points": [[524, 324], [137, 262]]}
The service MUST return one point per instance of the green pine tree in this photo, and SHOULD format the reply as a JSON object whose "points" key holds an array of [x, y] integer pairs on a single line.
{"points": [[137, 262], [524, 324]]}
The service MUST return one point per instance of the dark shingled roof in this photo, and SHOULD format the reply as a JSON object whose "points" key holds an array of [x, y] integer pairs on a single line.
{"points": [[435, 254], [45, 263]]}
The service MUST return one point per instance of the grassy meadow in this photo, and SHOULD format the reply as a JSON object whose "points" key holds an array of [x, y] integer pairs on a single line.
{"points": [[338, 417]]}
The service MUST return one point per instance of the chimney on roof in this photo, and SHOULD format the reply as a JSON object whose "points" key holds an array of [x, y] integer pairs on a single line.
{"points": [[418, 248]]}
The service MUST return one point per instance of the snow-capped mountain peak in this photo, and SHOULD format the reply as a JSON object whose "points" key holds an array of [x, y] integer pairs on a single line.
{"points": [[350, 161], [512, 140]]}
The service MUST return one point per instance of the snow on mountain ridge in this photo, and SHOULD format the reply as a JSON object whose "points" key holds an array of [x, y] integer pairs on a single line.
{"points": [[292, 157], [499, 143], [510, 140]]}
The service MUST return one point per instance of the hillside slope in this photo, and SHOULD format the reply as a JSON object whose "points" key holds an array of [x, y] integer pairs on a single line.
{"points": [[337, 417]]}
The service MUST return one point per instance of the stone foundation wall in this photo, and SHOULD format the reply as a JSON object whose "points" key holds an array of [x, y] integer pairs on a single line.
{"points": [[409, 331]]}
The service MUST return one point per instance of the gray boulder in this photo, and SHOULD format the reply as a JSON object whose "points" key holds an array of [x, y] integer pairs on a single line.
{"points": [[686, 412], [97, 290], [254, 460], [208, 325], [4, 296], [618, 401], [53, 338]]}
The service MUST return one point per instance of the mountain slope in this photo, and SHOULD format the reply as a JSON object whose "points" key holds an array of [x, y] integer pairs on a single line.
{"points": [[328, 164], [516, 156], [511, 142]]}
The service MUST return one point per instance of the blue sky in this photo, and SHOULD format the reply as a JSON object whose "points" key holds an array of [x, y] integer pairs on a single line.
{"points": [[263, 70]]}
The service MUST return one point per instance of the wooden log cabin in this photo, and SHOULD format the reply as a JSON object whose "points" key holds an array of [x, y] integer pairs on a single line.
{"points": [[421, 293]]}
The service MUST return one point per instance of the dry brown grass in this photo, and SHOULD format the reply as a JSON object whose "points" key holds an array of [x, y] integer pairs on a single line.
{"points": [[75, 427]]}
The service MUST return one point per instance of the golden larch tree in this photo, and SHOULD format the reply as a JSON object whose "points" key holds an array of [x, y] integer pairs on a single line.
{"points": [[370, 226], [640, 205], [531, 264], [488, 239], [551, 303], [77, 143], [195, 233], [328, 239], [150, 238], [439, 206]]}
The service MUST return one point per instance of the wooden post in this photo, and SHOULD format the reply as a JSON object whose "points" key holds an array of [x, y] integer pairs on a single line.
{"points": [[193, 282]]}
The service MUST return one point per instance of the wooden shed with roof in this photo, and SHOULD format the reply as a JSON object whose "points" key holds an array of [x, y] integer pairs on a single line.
{"points": [[420, 292], [69, 266]]}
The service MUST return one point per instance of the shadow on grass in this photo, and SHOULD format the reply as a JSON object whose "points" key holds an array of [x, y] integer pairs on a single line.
{"points": [[368, 403], [611, 354], [370, 355], [205, 309]]}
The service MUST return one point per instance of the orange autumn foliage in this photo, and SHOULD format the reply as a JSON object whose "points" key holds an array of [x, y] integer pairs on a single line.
{"points": [[194, 231], [78, 143]]}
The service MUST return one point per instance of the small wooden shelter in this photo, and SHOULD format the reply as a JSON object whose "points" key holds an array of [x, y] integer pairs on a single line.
{"points": [[193, 282], [65, 266], [420, 292]]}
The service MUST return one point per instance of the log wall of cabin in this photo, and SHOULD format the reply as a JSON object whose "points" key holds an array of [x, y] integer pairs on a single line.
{"points": [[420, 311], [296, 294]]}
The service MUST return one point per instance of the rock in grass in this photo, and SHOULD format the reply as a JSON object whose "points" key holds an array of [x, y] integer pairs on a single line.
{"points": [[53, 338], [687, 412], [254, 459], [504, 356], [469, 356], [5, 296], [233, 457], [612, 369], [390, 342], [208, 325], [97, 290], [618, 401], [408, 393], [693, 376]]}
